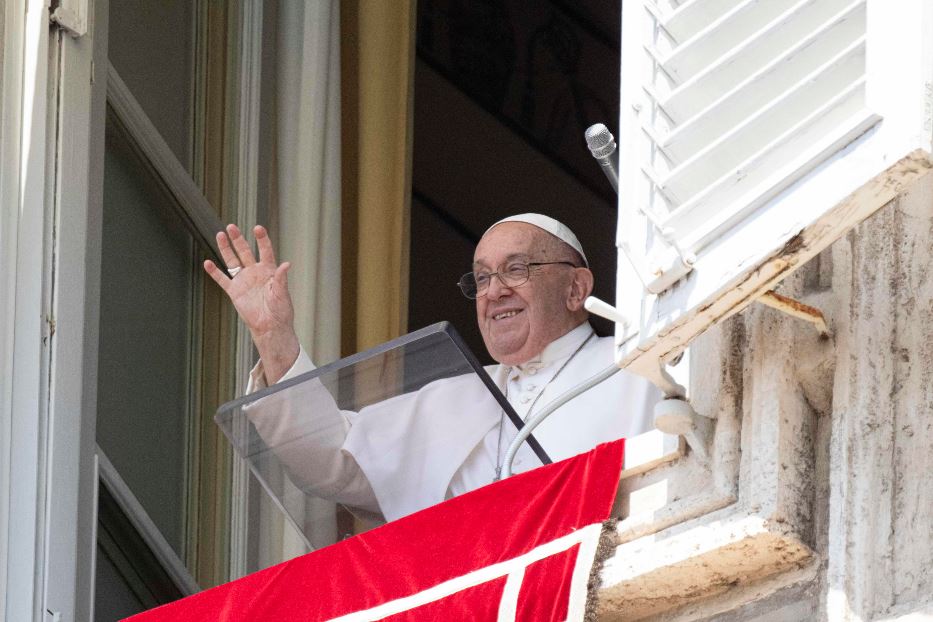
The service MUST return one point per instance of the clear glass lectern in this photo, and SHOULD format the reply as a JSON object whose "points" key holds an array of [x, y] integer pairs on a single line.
{"points": [[379, 434]]}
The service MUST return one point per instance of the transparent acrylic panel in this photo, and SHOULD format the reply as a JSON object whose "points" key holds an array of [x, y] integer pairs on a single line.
{"points": [[382, 434]]}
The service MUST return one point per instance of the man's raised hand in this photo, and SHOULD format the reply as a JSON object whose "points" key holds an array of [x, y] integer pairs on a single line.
{"points": [[259, 292]]}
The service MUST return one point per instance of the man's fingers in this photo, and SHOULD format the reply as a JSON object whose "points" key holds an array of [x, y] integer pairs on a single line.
{"points": [[241, 246], [266, 252], [217, 274], [226, 251], [281, 274]]}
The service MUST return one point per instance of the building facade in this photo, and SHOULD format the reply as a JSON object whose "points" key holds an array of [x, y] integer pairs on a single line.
{"points": [[806, 495]]}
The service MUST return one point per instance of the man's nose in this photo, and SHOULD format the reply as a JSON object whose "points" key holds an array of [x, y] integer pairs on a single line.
{"points": [[497, 288]]}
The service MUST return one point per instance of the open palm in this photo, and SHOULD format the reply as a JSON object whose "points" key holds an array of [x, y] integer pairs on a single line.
{"points": [[259, 292]]}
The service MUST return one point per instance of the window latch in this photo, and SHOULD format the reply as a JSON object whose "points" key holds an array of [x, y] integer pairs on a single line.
{"points": [[70, 17]]}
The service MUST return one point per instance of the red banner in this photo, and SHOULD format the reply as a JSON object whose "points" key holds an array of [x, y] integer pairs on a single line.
{"points": [[519, 549]]}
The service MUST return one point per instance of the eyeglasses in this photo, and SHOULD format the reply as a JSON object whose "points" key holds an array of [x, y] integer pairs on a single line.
{"points": [[475, 284]]}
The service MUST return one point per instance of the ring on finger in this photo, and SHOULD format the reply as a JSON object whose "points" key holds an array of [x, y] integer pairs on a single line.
{"points": [[234, 270]]}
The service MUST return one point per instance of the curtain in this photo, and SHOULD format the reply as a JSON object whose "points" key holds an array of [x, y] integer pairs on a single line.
{"points": [[307, 210], [308, 158], [377, 70]]}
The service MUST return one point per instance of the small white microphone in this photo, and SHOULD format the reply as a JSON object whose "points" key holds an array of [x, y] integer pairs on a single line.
{"points": [[603, 147]]}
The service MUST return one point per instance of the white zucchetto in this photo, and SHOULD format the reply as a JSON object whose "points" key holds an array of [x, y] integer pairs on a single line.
{"points": [[556, 228]]}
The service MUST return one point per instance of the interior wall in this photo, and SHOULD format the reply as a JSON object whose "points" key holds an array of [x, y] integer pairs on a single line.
{"points": [[159, 75], [503, 94]]}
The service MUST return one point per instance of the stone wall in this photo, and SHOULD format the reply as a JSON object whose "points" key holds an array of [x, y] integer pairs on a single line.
{"points": [[817, 502]]}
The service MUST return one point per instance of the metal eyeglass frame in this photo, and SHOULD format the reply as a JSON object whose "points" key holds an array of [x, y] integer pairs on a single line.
{"points": [[466, 286]]}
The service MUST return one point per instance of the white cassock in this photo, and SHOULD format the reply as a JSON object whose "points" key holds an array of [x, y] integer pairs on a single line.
{"points": [[417, 449]]}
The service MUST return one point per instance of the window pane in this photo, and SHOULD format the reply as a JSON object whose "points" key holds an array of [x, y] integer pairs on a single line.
{"points": [[152, 47], [114, 598], [146, 355], [130, 578]]}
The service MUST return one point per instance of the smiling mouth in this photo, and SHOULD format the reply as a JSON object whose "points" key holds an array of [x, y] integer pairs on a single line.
{"points": [[505, 314]]}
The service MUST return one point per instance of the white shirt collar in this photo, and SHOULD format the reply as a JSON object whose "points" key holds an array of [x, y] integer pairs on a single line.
{"points": [[561, 347]]}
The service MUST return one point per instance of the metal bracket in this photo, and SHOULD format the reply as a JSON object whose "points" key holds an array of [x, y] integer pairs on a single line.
{"points": [[656, 372], [795, 309], [668, 267], [69, 21], [667, 262], [677, 416], [674, 414]]}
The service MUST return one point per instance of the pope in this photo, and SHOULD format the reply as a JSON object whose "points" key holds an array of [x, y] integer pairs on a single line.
{"points": [[529, 280]]}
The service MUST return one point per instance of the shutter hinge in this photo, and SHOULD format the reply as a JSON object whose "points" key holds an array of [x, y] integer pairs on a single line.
{"points": [[70, 20]]}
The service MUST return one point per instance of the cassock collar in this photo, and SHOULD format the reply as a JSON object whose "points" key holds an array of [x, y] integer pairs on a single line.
{"points": [[560, 348]]}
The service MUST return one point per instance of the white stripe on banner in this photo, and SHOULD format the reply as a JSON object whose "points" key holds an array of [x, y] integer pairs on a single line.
{"points": [[508, 606], [581, 574], [587, 537]]}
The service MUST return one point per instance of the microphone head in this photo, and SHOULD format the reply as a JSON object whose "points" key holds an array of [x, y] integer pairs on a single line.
{"points": [[600, 140]]}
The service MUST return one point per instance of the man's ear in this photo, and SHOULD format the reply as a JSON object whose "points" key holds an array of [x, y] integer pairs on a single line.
{"points": [[580, 288]]}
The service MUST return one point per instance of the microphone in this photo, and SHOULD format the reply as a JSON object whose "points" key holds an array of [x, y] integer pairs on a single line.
{"points": [[603, 147]]}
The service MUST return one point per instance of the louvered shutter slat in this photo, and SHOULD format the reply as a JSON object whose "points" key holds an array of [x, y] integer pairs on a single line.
{"points": [[733, 113], [754, 94]]}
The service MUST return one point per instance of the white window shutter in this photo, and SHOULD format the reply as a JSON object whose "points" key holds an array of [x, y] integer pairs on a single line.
{"points": [[752, 134]]}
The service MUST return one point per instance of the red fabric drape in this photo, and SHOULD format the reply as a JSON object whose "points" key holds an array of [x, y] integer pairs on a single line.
{"points": [[511, 526]]}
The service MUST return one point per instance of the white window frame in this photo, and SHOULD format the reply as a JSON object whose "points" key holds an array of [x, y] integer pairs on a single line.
{"points": [[49, 179], [122, 494], [54, 97]]}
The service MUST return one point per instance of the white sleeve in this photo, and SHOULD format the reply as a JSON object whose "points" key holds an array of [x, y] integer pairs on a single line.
{"points": [[411, 445], [257, 375], [306, 430]]}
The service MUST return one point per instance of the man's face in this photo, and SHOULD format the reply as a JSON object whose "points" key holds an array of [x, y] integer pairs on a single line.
{"points": [[518, 322]]}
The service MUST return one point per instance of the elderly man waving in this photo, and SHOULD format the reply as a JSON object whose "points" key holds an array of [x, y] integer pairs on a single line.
{"points": [[530, 278]]}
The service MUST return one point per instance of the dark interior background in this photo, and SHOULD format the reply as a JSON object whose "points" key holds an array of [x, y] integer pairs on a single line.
{"points": [[504, 90]]}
